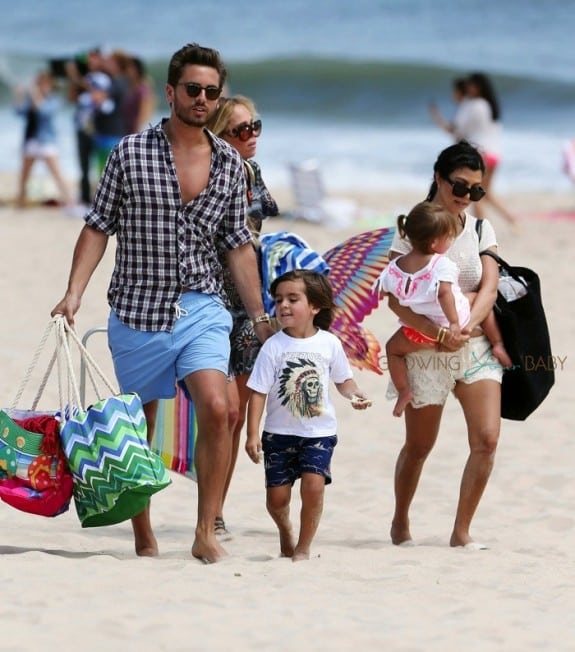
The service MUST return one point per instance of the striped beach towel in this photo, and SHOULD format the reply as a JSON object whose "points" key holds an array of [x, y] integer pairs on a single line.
{"points": [[174, 439], [280, 253]]}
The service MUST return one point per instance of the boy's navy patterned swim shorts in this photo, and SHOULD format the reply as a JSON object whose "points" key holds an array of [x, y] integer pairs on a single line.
{"points": [[286, 457]]}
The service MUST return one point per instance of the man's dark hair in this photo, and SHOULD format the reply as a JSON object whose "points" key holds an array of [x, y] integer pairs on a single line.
{"points": [[194, 54]]}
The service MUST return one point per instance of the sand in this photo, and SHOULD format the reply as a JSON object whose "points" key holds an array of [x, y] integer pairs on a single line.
{"points": [[68, 588]]}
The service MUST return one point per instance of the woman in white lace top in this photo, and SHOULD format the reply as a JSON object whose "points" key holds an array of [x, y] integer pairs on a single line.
{"points": [[463, 365]]}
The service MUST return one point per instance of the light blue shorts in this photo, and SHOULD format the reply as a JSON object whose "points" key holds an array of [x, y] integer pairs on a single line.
{"points": [[150, 363]]}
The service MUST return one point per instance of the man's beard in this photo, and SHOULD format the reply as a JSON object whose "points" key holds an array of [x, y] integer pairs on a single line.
{"points": [[192, 121]]}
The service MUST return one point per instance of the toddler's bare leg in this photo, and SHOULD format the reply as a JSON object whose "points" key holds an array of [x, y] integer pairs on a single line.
{"points": [[491, 329], [397, 347]]}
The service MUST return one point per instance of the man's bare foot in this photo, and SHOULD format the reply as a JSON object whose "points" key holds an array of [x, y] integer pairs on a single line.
{"points": [[399, 535], [144, 539], [147, 546], [499, 352], [402, 402], [208, 550]]}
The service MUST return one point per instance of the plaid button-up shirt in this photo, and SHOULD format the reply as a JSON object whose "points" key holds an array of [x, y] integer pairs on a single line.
{"points": [[164, 245]]}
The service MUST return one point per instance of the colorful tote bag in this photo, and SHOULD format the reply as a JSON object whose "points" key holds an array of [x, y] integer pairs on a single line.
{"points": [[34, 473], [113, 468], [175, 435]]}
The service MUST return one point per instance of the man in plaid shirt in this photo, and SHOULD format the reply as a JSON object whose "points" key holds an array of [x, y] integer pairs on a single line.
{"points": [[173, 195]]}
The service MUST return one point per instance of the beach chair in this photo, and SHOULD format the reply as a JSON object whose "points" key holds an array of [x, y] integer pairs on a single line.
{"points": [[311, 201], [176, 429]]}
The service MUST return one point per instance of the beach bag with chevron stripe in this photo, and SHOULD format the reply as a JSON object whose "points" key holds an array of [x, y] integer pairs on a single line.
{"points": [[113, 469], [174, 438]]}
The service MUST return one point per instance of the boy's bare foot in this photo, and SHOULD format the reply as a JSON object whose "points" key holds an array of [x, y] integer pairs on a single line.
{"points": [[207, 549], [287, 544], [300, 555], [499, 352], [403, 399]]}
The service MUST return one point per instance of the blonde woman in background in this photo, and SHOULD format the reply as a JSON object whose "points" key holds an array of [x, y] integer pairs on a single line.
{"points": [[236, 121], [38, 104]]}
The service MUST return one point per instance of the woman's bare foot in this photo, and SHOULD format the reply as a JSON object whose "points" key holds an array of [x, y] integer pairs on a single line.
{"points": [[465, 541], [403, 399], [399, 534], [460, 539]]}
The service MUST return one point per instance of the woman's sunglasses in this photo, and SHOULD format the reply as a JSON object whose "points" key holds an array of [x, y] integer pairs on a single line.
{"points": [[193, 90], [244, 132], [460, 189]]}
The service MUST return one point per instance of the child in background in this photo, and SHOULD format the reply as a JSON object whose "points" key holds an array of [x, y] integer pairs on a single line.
{"points": [[292, 374], [427, 282]]}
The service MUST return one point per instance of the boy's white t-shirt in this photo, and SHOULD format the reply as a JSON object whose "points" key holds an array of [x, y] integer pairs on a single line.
{"points": [[295, 375]]}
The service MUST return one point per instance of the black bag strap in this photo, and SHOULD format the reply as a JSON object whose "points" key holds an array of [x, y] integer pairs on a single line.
{"points": [[512, 271], [478, 227]]}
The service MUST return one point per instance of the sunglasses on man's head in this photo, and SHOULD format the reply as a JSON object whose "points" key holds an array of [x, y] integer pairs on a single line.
{"points": [[193, 90], [244, 131], [460, 189]]}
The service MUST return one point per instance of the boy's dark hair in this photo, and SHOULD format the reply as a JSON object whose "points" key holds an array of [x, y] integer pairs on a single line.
{"points": [[424, 223], [194, 54], [454, 157], [318, 291]]}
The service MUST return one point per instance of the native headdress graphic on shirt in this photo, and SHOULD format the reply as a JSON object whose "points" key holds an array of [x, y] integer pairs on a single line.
{"points": [[300, 389]]}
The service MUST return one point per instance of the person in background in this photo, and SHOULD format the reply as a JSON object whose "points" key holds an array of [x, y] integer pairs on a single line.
{"points": [[478, 121], [139, 101], [168, 322], [79, 95], [38, 104], [109, 98], [237, 123], [291, 379], [459, 94], [464, 364]]}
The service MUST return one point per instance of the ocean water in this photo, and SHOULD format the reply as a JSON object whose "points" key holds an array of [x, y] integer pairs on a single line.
{"points": [[346, 84]]}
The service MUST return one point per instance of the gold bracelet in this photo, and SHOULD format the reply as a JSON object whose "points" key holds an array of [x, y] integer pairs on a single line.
{"points": [[441, 335]]}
